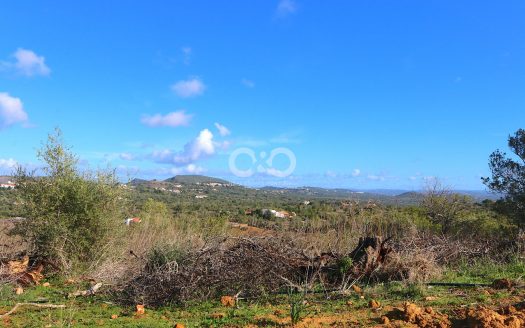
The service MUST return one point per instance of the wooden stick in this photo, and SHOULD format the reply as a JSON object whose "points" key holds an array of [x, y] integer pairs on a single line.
{"points": [[49, 306]]}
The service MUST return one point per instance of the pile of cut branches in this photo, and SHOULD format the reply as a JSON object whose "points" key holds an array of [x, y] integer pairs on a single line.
{"points": [[253, 266]]}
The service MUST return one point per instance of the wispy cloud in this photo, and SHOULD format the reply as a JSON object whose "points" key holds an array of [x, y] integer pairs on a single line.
{"points": [[26, 63], [173, 119], [290, 137], [286, 8], [186, 52], [331, 174], [11, 111], [189, 88], [248, 83], [375, 177], [126, 156], [188, 169], [356, 172], [7, 165], [223, 131]]}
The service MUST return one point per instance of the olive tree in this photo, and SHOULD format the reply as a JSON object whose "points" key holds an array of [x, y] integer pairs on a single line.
{"points": [[70, 214]]}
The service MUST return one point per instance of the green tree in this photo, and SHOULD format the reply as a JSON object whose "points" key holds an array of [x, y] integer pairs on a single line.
{"points": [[70, 215], [508, 177]]}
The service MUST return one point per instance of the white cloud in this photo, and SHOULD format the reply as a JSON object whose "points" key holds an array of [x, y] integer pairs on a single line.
{"points": [[374, 177], [201, 147], [173, 119], [29, 63], [223, 131], [188, 88], [248, 83], [188, 169], [126, 156], [330, 174], [11, 110], [193, 169], [286, 7], [7, 164], [430, 178], [356, 172]]}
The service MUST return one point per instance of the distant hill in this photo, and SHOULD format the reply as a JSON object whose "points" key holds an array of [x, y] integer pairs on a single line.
{"points": [[5, 178], [387, 196], [195, 179], [136, 182]]}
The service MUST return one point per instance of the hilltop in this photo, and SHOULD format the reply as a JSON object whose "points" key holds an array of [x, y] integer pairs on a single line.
{"points": [[196, 179]]}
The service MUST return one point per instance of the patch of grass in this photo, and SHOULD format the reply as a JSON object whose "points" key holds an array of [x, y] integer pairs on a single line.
{"points": [[484, 271], [402, 291]]}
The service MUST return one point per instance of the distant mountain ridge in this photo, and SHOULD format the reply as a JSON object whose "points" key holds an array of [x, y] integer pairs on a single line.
{"points": [[393, 194]]}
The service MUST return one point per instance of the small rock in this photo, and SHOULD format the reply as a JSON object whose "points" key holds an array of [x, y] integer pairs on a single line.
{"points": [[19, 290], [179, 325], [385, 320], [430, 298], [357, 289], [46, 284], [374, 304], [114, 316]]}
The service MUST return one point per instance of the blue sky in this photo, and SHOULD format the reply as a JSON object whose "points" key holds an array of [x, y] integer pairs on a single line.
{"points": [[365, 94]]}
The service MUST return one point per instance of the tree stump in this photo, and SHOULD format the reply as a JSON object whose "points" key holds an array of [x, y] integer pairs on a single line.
{"points": [[369, 254]]}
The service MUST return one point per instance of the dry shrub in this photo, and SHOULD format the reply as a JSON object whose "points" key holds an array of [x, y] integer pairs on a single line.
{"points": [[124, 258], [447, 250], [418, 266]]}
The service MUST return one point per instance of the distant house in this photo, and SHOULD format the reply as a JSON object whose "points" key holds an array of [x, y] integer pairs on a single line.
{"points": [[200, 196], [7, 185], [279, 214], [130, 221]]}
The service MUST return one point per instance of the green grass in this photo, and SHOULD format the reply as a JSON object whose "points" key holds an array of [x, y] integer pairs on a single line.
{"points": [[484, 272]]}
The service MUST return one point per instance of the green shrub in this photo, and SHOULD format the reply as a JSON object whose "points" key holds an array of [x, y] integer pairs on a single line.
{"points": [[70, 215], [160, 256], [298, 306]]}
